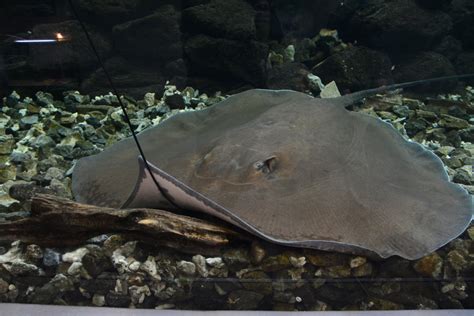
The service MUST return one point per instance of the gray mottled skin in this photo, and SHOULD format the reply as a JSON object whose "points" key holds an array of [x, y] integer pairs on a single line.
{"points": [[292, 169]]}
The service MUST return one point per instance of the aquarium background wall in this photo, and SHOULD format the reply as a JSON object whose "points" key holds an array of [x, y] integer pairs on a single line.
{"points": [[166, 57], [225, 45]]}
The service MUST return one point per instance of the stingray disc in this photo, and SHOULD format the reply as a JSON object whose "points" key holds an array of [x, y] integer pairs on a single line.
{"points": [[291, 169]]}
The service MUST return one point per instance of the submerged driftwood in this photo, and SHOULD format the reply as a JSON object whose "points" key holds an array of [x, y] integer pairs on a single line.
{"points": [[57, 222]]}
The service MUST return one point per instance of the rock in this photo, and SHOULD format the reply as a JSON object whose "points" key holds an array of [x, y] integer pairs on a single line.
{"points": [[7, 143], [138, 293], [330, 91], [356, 68], [462, 14], [275, 263], [364, 270], [12, 99], [116, 11], [244, 300], [76, 255], [429, 266], [156, 36], [51, 258], [7, 172], [326, 259], [47, 293], [70, 55], [464, 64], [95, 261], [98, 300], [397, 26], [293, 76], [449, 47], [242, 60], [426, 65], [129, 77], [3, 287], [236, 259], [231, 19], [463, 176], [186, 267], [175, 101], [27, 121], [257, 253], [257, 281], [215, 262], [433, 4], [449, 121], [456, 260], [117, 300]]}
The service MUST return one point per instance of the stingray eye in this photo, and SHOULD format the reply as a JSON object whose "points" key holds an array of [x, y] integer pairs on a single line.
{"points": [[266, 166]]}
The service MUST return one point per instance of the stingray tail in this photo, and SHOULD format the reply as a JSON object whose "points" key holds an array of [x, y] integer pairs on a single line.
{"points": [[358, 96]]}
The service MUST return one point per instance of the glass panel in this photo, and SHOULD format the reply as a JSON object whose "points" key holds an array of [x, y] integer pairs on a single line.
{"points": [[264, 174]]}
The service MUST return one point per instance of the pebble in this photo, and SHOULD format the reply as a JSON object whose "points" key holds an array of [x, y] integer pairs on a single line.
{"points": [[98, 300], [75, 256], [186, 267]]}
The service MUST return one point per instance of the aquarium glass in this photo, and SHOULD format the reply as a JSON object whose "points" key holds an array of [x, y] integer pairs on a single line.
{"points": [[219, 155]]}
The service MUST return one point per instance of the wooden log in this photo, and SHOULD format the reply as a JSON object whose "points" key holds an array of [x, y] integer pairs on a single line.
{"points": [[57, 222]]}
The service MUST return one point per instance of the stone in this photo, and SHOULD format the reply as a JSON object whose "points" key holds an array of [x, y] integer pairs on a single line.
{"points": [[156, 36], [3, 286], [231, 19], [275, 263], [51, 258], [200, 263], [240, 60], [7, 172], [7, 143], [186, 267], [117, 300], [463, 176], [461, 12], [453, 122], [429, 266], [355, 69], [27, 121], [244, 300], [236, 259], [257, 281], [426, 65], [175, 101], [98, 300], [257, 253], [292, 76], [75, 256], [397, 26]]}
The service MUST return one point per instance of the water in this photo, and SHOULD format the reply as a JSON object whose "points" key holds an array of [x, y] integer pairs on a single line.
{"points": [[177, 57]]}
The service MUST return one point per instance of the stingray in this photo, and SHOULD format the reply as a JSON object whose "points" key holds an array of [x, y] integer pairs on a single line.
{"points": [[289, 168]]}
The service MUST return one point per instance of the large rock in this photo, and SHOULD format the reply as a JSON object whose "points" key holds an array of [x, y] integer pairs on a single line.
{"points": [[303, 18], [243, 60], [426, 65], [73, 54], [356, 68], [462, 13], [156, 36], [129, 78], [230, 19], [398, 25], [434, 4], [293, 76], [465, 64], [109, 12]]}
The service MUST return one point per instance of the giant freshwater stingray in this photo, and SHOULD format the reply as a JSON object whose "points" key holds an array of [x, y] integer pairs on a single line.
{"points": [[289, 168]]}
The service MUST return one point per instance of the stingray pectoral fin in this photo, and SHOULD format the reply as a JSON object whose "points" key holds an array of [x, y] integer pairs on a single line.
{"points": [[179, 194], [146, 193]]}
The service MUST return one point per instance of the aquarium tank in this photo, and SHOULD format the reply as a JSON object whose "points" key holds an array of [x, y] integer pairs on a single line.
{"points": [[250, 155]]}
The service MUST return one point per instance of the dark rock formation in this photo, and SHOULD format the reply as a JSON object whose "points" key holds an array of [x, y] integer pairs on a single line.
{"points": [[293, 76], [156, 36], [244, 60], [397, 26], [425, 65], [356, 68], [462, 13], [230, 19]]}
